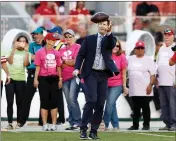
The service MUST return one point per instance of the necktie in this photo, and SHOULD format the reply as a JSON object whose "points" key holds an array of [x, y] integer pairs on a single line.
{"points": [[98, 53]]}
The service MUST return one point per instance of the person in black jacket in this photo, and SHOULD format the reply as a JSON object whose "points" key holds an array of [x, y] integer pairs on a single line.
{"points": [[94, 60]]}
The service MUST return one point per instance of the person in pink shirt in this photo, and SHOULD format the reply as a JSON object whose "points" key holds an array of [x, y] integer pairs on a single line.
{"points": [[48, 79], [116, 86], [70, 87], [141, 72]]}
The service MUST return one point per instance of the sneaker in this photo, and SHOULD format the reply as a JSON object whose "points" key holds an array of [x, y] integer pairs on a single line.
{"points": [[45, 127], [106, 129], [53, 128], [9, 126], [164, 128], [115, 129], [133, 128], [172, 129], [72, 128], [18, 126]]}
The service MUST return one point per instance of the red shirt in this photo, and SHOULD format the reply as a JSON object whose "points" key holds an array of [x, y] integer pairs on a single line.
{"points": [[44, 10], [174, 57], [83, 11]]}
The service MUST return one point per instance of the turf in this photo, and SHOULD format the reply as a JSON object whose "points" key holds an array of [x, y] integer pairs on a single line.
{"points": [[74, 136]]}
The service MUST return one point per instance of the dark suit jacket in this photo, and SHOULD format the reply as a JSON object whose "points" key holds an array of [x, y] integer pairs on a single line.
{"points": [[87, 54]]}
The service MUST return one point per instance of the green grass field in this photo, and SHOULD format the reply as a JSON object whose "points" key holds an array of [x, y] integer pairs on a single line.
{"points": [[74, 136]]}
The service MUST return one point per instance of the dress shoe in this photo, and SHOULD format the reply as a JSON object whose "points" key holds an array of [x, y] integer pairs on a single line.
{"points": [[93, 136], [83, 135], [164, 128], [133, 128]]}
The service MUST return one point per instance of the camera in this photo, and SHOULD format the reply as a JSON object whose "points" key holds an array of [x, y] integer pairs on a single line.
{"points": [[174, 48]]}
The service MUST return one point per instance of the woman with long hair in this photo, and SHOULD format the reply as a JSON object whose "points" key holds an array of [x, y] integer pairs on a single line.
{"points": [[116, 86]]}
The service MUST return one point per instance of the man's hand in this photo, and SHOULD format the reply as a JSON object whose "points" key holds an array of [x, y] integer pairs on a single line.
{"points": [[109, 27], [149, 89], [75, 72]]}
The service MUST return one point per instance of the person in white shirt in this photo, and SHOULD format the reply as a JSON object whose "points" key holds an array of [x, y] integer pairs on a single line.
{"points": [[166, 80], [141, 72]]}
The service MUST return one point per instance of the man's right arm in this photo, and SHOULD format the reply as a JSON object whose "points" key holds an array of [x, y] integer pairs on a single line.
{"points": [[81, 55], [172, 61]]}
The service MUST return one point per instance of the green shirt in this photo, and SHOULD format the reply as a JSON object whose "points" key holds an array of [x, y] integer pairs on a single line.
{"points": [[17, 69]]}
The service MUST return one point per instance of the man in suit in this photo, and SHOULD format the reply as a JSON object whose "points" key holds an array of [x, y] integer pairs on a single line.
{"points": [[95, 58]]}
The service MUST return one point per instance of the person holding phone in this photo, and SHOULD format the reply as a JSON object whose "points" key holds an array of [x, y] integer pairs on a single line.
{"points": [[96, 65], [17, 61]]}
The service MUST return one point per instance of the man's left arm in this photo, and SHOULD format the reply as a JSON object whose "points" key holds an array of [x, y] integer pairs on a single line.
{"points": [[110, 37]]}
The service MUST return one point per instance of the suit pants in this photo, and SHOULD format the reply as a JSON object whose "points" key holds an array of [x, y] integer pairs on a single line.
{"points": [[96, 88]]}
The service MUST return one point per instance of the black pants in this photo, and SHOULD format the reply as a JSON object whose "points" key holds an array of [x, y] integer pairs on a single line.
{"points": [[1, 87], [14, 88], [61, 112], [130, 102], [156, 98], [141, 102], [28, 96]]}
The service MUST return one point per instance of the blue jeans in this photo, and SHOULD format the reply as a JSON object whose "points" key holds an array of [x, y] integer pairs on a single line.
{"points": [[110, 114], [167, 95], [71, 91]]}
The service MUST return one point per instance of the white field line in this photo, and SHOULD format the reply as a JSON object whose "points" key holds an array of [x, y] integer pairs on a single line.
{"points": [[147, 134]]}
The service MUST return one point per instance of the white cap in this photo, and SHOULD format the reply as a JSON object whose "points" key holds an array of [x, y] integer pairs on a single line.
{"points": [[69, 31]]}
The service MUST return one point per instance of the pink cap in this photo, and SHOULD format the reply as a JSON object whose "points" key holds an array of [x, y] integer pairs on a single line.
{"points": [[140, 44]]}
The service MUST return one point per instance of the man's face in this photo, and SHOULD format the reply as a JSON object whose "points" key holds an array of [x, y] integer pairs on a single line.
{"points": [[168, 39], [140, 51], [103, 27], [38, 38]]}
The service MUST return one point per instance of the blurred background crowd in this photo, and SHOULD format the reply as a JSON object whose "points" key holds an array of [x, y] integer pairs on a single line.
{"points": [[126, 17]]}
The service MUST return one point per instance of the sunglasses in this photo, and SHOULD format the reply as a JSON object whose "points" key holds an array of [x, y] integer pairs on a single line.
{"points": [[140, 48], [117, 45], [68, 36]]}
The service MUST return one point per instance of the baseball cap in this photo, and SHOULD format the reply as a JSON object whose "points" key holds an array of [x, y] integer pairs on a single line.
{"points": [[37, 31], [69, 31], [169, 31], [50, 36], [57, 29], [140, 44]]}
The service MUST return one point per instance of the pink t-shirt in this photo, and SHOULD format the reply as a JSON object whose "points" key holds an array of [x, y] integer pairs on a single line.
{"points": [[139, 72], [69, 52], [121, 63], [48, 60]]}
